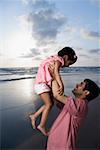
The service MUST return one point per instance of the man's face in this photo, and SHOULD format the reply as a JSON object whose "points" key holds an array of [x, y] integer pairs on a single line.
{"points": [[79, 89]]}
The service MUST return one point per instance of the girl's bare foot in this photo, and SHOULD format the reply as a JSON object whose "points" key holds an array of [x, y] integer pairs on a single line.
{"points": [[42, 129], [33, 119]]}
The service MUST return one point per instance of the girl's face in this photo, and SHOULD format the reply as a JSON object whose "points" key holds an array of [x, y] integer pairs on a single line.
{"points": [[67, 62]]}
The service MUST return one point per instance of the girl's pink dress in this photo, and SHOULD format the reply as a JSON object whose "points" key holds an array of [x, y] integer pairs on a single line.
{"points": [[43, 75]]}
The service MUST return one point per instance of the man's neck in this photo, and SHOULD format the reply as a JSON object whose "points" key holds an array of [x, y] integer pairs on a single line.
{"points": [[80, 97]]}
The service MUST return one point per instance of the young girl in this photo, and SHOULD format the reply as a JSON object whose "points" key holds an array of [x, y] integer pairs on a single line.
{"points": [[65, 58]]}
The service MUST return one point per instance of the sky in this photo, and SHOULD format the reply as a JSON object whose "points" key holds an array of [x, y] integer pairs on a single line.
{"points": [[32, 30]]}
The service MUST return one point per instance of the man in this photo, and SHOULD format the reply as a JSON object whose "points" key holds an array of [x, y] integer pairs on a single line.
{"points": [[63, 134]]}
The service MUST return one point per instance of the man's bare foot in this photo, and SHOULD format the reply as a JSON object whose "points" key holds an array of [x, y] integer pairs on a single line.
{"points": [[33, 119], [42, 129]]}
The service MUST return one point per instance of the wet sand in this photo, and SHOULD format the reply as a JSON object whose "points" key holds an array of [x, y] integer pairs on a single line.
{"points": [[18, 100]]}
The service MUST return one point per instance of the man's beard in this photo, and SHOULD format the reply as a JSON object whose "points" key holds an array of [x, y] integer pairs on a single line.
{"points": [[73, 91], [76, 94]]}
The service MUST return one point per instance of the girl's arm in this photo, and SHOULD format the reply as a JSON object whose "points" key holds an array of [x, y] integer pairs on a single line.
{"points": [[58, 77]]}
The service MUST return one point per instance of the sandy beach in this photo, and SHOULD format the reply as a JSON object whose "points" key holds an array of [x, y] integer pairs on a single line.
{"points": [[18, 100]]}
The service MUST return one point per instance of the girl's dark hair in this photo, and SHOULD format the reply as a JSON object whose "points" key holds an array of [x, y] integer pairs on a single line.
{"points": [[93, 88], [68, 51]]}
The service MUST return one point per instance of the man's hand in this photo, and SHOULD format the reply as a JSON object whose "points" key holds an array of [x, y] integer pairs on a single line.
{"points": [[51, 70], [60, 90]]}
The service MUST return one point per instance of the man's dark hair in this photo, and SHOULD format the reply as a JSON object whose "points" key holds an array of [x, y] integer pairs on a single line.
{"points": [[93, 88], [68, 51]]}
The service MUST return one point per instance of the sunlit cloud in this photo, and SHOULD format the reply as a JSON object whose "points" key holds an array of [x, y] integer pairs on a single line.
{"points": [[22, 20], [89, 34], [31, 54], [46, 22]]}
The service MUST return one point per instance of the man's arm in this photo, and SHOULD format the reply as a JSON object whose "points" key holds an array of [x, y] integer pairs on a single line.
{"points": [[55, 87]]}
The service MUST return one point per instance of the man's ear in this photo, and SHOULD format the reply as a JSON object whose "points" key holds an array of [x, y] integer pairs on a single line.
{"points": [[87, 92]]}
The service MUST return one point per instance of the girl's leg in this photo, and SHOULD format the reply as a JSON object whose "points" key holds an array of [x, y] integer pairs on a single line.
{"points": [[48, 104], [35, 115]]}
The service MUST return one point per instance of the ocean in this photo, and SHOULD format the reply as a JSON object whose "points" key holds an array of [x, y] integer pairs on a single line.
{"points": [[17, 99], [11, 74]]}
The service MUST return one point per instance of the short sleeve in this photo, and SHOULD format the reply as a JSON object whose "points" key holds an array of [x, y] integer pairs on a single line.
{"points": [[59, 58], [76, 107]]}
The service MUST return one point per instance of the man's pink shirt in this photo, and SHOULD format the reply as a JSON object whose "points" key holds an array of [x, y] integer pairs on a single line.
{"points": [[63, 134]]}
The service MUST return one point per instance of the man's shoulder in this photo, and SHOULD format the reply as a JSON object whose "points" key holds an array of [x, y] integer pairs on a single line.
{"points": [[77, 102], [76, 107]]}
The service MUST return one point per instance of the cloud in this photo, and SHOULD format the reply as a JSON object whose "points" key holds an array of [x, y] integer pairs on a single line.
{"points": [[37, 58], [45, 21], [89, 34], [95, 51], [26, 55], [37, 3], [84, 55], [70, 29], [79, 48], [24, 1], [95, 1], [33, 53], [1, 53]]}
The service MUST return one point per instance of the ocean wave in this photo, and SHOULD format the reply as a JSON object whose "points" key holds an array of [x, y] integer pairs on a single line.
{"points": [[80, 69], [18, 71], [22, 78], [12, 74]]}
